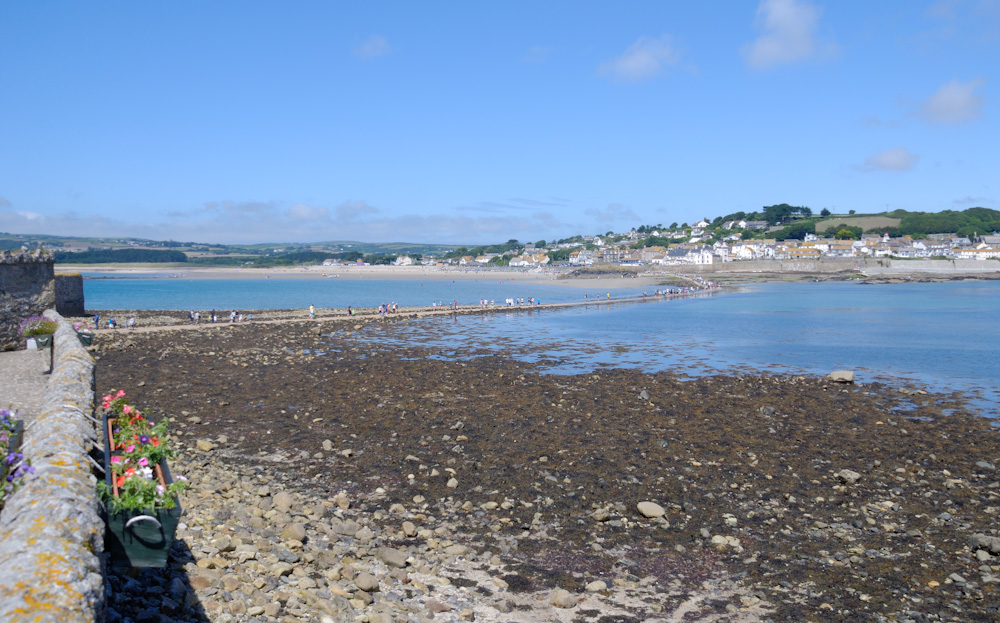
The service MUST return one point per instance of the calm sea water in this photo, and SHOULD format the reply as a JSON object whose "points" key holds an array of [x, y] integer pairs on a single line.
{"points": [[945, 336], [251, 294], [941, 335]]}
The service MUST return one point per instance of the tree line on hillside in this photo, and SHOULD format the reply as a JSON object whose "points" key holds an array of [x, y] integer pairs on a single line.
{"points": [[797, 221], [120, 256], [301, 257], [970, 222]]}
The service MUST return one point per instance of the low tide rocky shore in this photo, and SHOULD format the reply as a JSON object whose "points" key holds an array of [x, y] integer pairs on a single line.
{"points": [[362, 483]]}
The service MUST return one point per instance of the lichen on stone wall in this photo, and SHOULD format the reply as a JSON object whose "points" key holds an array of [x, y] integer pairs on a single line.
{"points": [[51, 532]]}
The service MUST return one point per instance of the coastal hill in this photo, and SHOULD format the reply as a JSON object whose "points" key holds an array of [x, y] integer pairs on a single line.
{"points": [[779, 223]]}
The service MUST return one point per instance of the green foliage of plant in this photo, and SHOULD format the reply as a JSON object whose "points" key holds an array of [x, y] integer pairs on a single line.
{"points": [[970, 222], [781, 212], [559, 255], [16, 468], [847, 233], [37, 325], [648, 229], [796, 230], [510, 245], [137, 448], [652, 241]]}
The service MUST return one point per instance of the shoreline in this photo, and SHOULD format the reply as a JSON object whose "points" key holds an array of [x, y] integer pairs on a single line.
{"points": [[573, 277], [552, 276], [165, 320], [512, 495]]}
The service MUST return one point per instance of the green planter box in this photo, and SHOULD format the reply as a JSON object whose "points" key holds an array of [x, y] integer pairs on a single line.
{"points": [[87, 339], [139, 538], [43, 341]]}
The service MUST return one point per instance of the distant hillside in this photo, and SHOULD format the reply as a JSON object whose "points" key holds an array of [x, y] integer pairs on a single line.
{"points": [[965, 223], [866, 223], [968, 223], [120, 256]]}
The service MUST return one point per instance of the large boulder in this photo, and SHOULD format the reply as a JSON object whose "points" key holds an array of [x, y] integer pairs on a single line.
{"points": [[841, 376]]}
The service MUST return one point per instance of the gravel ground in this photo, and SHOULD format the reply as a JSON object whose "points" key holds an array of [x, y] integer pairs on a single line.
{"points": [[379, 485]]}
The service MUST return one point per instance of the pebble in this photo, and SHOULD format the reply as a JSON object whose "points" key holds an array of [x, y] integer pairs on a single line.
{"points": [[205, 445], [366, 582], [651, 510], [392, 557], [562, 598], [884, 529]]}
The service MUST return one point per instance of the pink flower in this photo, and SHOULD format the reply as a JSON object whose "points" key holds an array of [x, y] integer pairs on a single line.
{"points": [[130, 448], [107, 398], [160, 489], [144, 461], [116, 459], [121, 392], [127, 409]]}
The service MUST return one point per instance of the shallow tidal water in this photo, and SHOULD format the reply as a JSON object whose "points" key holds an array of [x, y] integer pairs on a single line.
{"points": [[940, 335]]}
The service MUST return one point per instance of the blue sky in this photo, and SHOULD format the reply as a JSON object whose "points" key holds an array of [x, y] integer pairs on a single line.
{"points": [[478, 122]]}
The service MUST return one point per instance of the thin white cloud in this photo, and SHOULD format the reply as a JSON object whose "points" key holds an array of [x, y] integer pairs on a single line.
{"points": [[895, 159], [537, 203], [234, 221], [353, 210], [945, 9], [875, 122], [788, 34], [615, 212], [9, 214], [492, 207], [954, 102], [969, 200], [536, 54], [303, 212], [372, 46], [644, 59]]}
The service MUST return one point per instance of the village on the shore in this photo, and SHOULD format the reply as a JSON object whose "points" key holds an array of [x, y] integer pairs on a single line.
{"points": [[694, 248], [778, 232]]}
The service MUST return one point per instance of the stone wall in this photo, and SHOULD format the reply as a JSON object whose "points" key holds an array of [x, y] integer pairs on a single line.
{"points": [[27, 288], [933, 267], [69, 294], [51, 532]]}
